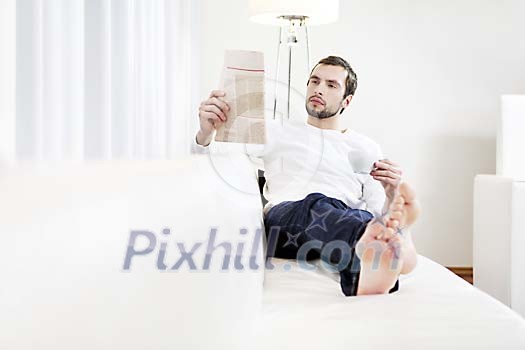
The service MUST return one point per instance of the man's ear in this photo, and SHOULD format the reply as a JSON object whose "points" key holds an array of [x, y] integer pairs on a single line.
{"points": [[346, 100]]}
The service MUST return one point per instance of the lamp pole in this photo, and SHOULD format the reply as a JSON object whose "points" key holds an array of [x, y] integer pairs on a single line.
{"points": [[291, 40]]}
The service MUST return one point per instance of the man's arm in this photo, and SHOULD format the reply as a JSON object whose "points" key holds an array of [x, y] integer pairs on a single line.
{"points": [[374, 197], [202, 139]]}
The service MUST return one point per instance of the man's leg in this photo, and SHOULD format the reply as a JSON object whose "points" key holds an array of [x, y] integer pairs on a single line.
{"points": [[326, 221], [316, 217]]}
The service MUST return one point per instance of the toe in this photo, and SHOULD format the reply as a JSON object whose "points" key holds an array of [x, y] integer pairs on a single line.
{"points": [[396, 215], [407, 192], [393, 224], [397, 202], [386, 234], [373, 229]]}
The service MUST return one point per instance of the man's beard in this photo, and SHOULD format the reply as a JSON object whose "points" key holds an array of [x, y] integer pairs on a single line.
{"points": [[326, 113]]}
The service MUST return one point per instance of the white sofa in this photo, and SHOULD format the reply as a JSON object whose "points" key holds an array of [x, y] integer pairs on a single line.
{"points": [[65, 233], [499, 239]]}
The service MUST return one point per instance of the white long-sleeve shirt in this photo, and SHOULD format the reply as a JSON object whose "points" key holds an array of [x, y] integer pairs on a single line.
{"points": [[299, 159]]}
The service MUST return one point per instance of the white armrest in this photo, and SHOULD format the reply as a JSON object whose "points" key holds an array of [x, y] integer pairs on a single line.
{"points": [[491, 240], [499, 239], [66, 235]]}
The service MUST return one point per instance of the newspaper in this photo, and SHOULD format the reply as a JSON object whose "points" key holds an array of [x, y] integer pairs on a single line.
{"points": [[242, 79]]}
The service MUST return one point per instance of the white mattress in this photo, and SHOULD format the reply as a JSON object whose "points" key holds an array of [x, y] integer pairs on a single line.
{"points": [[434, 309]]}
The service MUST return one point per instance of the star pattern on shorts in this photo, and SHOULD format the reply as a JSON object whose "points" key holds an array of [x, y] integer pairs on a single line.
{"points": [[342, 217], [316, 218], [292, 239], [360, 214]]}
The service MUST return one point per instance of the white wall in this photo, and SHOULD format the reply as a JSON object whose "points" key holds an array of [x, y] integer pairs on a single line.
{"points": [[7, 78], [430, 76]]}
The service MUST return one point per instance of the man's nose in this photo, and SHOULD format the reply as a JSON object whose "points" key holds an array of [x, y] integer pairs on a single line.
{"points": [[320, 89]]}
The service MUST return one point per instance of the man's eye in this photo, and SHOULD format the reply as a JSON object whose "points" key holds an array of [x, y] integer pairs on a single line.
{"points": [[331, 85]]}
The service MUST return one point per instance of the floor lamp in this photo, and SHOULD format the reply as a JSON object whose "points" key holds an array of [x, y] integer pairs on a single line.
{"points": [[290, 16]]}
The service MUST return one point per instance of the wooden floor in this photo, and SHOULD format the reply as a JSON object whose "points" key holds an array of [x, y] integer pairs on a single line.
{"points": [[463, 272]]}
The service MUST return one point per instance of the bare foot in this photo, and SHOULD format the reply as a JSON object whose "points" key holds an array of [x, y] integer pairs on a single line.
{"points": [[383, 253], [381, 261], [410, 206]]}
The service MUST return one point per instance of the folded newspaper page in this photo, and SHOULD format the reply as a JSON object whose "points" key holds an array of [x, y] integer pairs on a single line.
{"points": [[242, 79]]}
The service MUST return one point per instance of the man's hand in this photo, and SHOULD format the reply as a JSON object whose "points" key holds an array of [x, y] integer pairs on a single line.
{"points": [[212, 113], [389, 174]]}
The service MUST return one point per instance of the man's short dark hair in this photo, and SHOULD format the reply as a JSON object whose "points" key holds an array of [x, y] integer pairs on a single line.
{"points": [[351, 78]]}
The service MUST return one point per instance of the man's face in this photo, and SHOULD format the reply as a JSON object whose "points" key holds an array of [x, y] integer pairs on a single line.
{"points": [[325, 91]]}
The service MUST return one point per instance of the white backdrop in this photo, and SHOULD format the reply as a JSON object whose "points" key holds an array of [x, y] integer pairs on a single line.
{"points": [[104, 79]]}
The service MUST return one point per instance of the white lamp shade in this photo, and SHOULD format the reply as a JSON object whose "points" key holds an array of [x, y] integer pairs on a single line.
{"points": [[318, 12]]}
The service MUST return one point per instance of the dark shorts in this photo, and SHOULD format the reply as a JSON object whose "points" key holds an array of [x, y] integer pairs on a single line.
{"points": [[319, 227]]}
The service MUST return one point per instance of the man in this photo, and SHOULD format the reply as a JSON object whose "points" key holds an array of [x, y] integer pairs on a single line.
{"points": [[319, 193]]}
